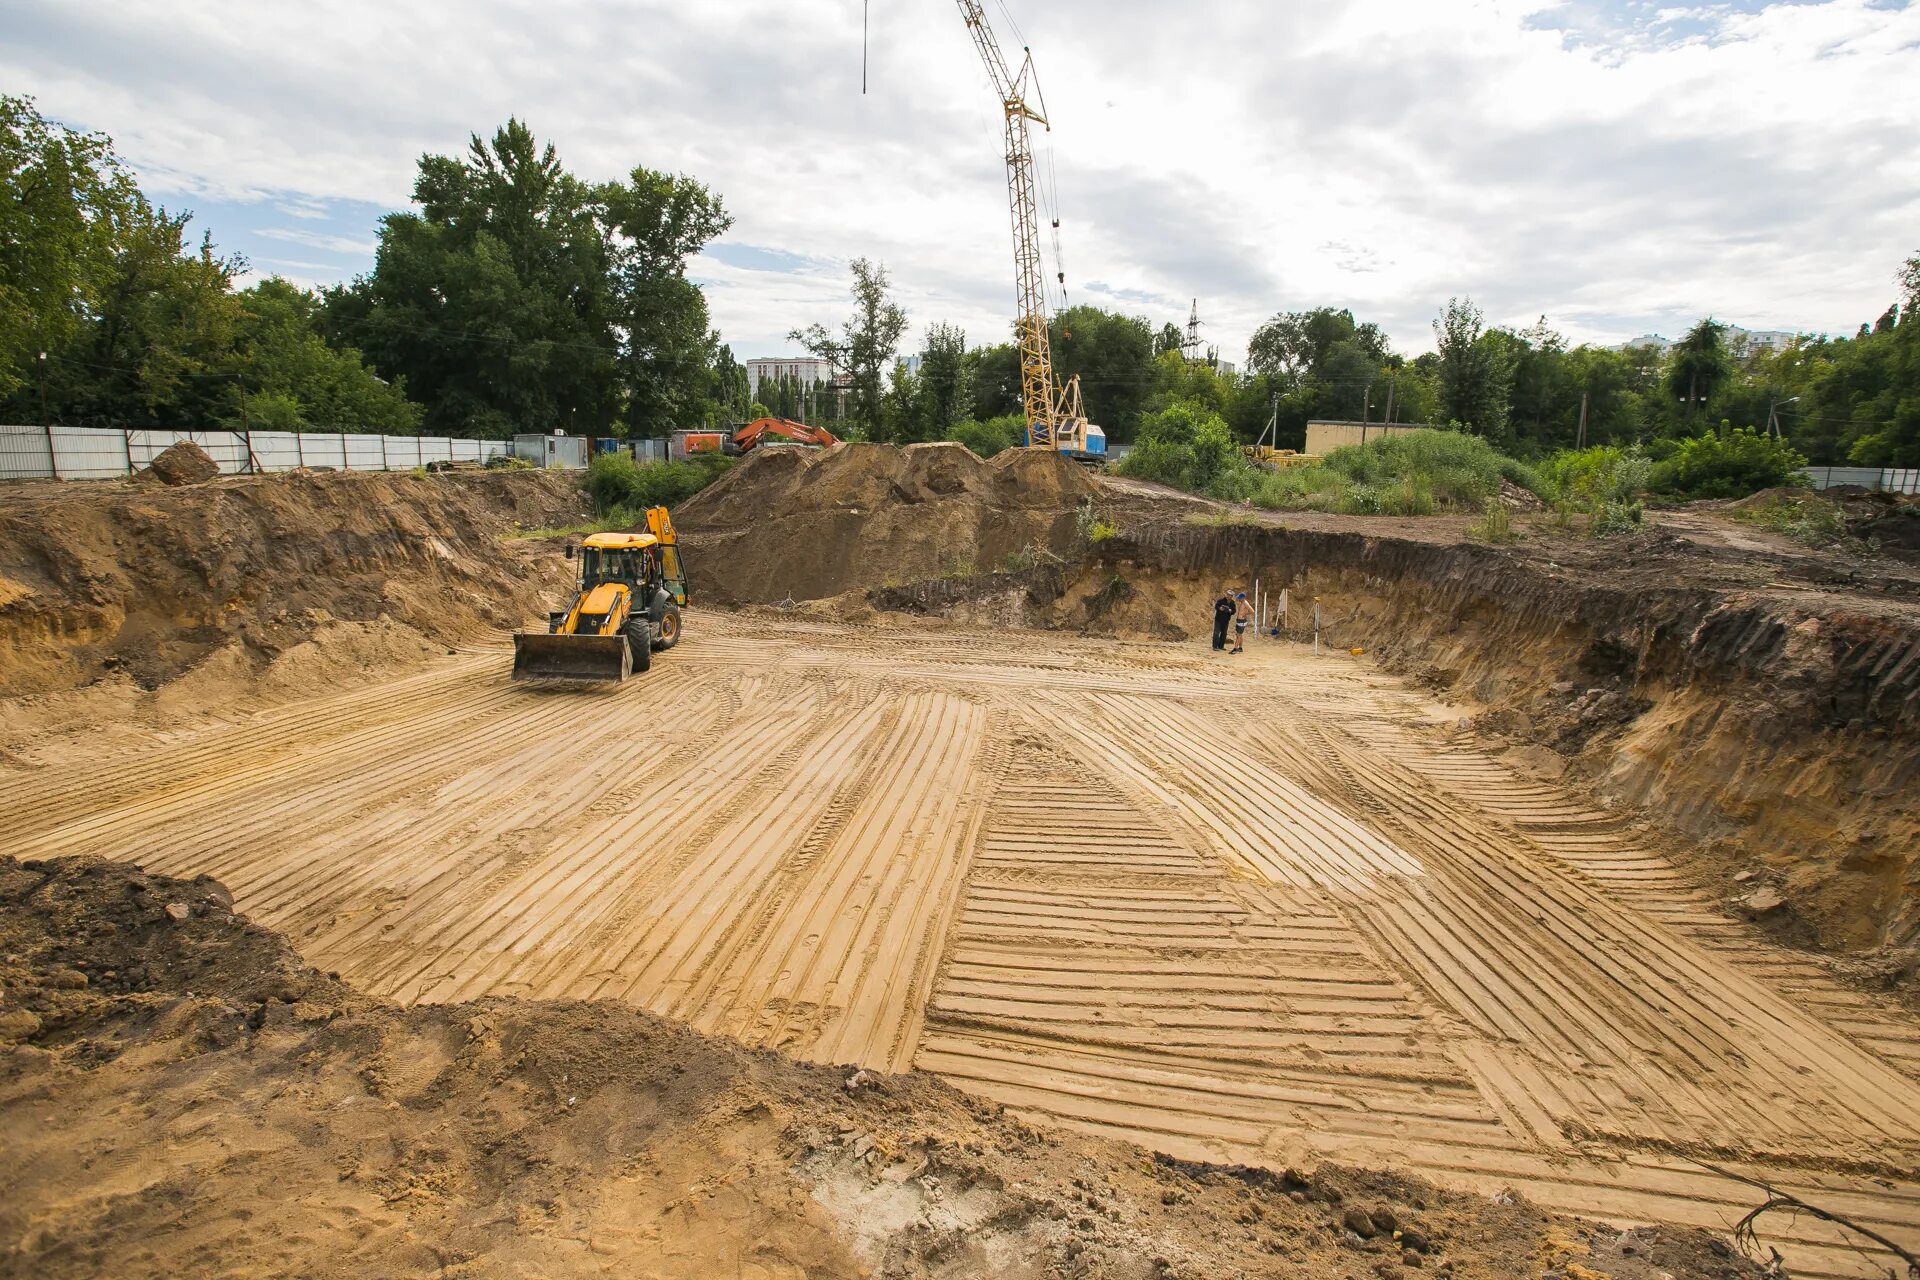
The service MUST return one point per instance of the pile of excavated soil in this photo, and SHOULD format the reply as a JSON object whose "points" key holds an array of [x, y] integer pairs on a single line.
{"points": [[182, 1096], [808, 524], [142, 584]]}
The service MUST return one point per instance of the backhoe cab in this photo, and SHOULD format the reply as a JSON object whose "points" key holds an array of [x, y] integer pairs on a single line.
{"points": [[631, 588]]}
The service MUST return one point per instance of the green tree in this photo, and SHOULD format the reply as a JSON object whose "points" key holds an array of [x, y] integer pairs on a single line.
{"points": [[67, 204], [1297, 345], [944, 396], [867, 342], [1474, 370], [497, 300], [993, 378], [1699, 366], [657, 222], [727, 388], [286, 376], [1112, 355], [157, 348]]}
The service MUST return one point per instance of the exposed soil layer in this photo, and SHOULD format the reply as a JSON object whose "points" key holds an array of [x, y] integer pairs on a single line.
{"points": [[1278, 909], [143, 583], [182, 1096], [802, 524], [1759, 699], [1271, 909]]}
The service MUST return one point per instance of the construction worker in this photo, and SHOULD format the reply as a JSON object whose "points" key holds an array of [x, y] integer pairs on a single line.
{"points": [[1222, 615], [1242, 616]]}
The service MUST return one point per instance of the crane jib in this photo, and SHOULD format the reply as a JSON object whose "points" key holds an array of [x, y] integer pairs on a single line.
{"points": [[1043, 402]]}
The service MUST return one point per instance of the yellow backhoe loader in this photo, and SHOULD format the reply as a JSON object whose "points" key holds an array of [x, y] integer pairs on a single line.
{"points": [[628, 605]]}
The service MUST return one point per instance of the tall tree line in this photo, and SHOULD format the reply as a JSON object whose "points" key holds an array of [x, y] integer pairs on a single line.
{"points": [[515, 297]]}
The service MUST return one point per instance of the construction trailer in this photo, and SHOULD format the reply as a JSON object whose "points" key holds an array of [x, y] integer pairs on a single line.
{"points": [[1325, 436], [684, 444], [556, 450]]}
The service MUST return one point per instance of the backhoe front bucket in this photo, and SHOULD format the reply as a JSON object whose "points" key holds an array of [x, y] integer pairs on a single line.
{"points": [[582, 659]]}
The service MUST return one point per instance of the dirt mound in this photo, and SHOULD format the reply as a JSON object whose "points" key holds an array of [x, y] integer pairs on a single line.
{"points": [[181, 1097], [183, 463], [788, 523], [144, 584]]}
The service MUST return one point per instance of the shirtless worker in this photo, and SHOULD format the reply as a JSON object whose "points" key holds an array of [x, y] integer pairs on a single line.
{"points": [[1242, 615]]}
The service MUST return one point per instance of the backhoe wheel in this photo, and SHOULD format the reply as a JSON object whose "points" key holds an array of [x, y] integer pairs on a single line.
{"points": [[669, 628], [639, 637]]}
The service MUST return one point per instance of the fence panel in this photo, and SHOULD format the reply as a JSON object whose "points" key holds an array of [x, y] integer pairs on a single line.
{"points": [[328, 449], [88, 453], [26, 453], [403, 453], [228, 449], [103, 453], [1888, 479], [363, 453]]}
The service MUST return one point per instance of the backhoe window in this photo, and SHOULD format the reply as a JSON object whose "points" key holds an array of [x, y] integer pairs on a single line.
{"points": [[598, 566]]}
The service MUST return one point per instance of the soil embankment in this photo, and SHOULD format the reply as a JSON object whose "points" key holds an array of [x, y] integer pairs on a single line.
{"points": [[142, 584], [803, 524], [183, 1096], [1763, 705]]}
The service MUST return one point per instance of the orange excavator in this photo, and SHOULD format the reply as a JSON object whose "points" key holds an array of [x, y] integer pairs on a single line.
{"points": [[779, 431]]}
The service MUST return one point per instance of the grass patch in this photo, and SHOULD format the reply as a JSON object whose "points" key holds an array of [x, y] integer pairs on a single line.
{"points": [[1227, 517], [617, 483], [618, 519], [1808, 520], [1415, 474], [1495, 524]]}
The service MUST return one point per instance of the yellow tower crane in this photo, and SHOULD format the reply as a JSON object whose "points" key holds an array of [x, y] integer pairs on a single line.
{"points": [[1055, 419]]}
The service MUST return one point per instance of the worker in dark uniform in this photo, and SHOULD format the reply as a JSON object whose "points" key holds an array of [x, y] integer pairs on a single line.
{"points": [[1223, 610]]}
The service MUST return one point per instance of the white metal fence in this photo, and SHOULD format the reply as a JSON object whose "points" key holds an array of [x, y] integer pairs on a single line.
{"points": [[1886, 479], [96, 453]]}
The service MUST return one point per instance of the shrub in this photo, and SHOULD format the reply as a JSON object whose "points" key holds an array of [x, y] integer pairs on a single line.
{"points": [[1605, 518], [1806, 518], [1413, 474], [1603, 473], [992, 436], [616, 482], [1191, 447], [1495, 524], [1729, 464]]}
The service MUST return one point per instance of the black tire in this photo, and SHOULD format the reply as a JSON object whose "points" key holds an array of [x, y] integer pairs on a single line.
{"points": [[669, 628], [639, 643]]}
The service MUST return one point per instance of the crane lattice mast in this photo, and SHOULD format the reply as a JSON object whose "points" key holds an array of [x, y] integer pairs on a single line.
{"points": [[1037, 393]]}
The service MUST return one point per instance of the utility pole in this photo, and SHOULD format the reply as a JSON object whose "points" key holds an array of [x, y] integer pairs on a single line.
{"points": [[1391, 384], [1366, 405], [1773, 417], [1581, 442], [45, 421]]}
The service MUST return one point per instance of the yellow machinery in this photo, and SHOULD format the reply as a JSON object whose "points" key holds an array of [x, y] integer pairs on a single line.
{"points": [[1267, 456], [1055, 419], [631, 588]]}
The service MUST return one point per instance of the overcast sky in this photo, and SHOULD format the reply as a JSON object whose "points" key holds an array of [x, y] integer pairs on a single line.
{"points": [[1620, 166]]}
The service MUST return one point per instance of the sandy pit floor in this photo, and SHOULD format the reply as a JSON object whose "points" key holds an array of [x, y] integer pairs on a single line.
{"points": [[1270, 908]]}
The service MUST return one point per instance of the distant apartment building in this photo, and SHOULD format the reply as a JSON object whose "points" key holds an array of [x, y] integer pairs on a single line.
{"points": [[809, 370], [1736, 338]]}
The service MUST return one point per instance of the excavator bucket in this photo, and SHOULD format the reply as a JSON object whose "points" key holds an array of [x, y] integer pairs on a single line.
{"points": [[580, 659]]}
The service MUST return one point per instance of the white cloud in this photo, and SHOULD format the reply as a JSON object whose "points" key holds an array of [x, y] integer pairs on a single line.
{"points": [[1615, 166], [318, 240]]}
